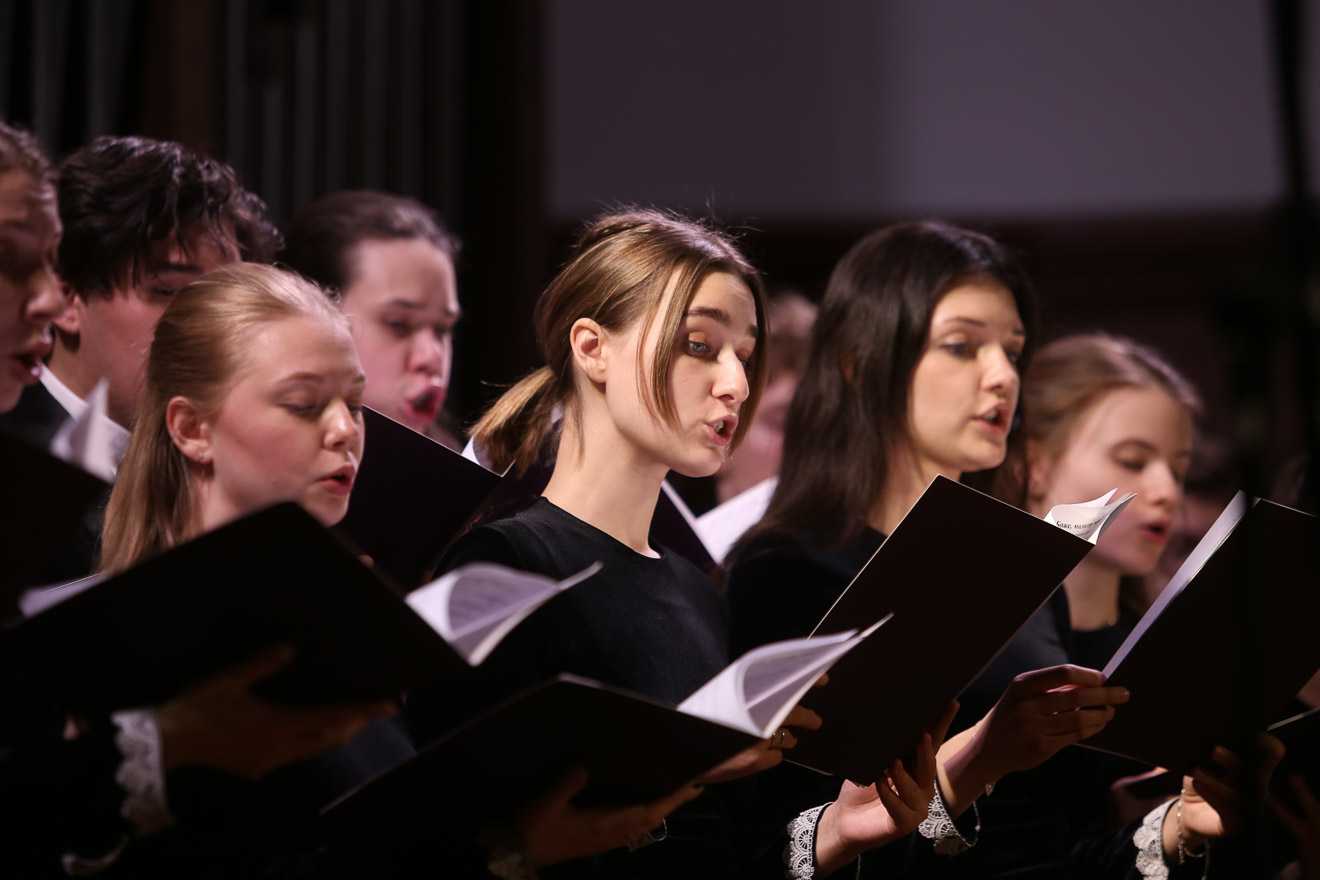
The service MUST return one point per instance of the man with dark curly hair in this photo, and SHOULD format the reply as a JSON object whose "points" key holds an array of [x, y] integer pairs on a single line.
{"points": [[142, 218]]}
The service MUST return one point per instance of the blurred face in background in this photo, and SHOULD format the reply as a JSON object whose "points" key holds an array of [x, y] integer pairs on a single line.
{"points": [[30, 293], [403, 305], [1132, 439]]}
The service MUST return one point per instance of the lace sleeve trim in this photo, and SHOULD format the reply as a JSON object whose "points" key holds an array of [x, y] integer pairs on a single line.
{"points": [[800, 854], [141, 774], [939, 828], [1149, 841], [506, 857], [142, 777]]}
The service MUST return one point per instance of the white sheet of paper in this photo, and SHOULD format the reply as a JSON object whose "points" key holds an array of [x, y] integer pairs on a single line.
{"points": [[758, 690], [476, 605], [1089, 519]]}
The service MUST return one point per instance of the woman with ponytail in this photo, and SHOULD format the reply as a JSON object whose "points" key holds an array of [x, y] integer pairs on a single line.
{"points": [[650, 338]]}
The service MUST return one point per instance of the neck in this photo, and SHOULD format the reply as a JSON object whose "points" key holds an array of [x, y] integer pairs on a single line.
{"points": [[1092, 595], [68, 369], [905, 480], [614, 492]]}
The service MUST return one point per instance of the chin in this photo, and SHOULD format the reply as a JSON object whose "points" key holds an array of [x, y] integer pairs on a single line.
{"points": [[326, 514], [698, 468]]}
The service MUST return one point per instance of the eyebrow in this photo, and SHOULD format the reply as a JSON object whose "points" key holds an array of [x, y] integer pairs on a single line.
{"points": [[1016, 331], [1149, 447], [417, 306], [721, 316], [317, 378]]}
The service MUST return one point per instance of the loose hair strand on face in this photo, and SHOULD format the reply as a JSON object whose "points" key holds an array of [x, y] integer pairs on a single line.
{"points": [[622, 265]]}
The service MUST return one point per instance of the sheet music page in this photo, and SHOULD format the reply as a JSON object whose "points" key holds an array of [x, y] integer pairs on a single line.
{"points": [[761, 687], [1089, 519], [475, 606]]}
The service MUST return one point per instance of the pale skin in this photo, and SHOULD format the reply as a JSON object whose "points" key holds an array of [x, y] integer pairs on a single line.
{"points": [[962, 395], [1134, 439], [615, 452], [107, 336], [296, 365]]}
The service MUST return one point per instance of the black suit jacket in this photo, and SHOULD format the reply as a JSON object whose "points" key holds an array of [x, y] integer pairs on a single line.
{"points": [[36, 419]]}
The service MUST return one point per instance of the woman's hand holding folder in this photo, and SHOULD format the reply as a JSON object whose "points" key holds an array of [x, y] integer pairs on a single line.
{"points": [[1040, 712], [1211, 802], [868, 816], [220, 723], [552, 830], [765, 754]]}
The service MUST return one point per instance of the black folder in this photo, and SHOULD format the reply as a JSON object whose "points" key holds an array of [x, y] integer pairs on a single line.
{"points": [[277, 576], [412, 497], [961, 574], [634, 748], [45, 499], [1300, 736], [1204, 668]]}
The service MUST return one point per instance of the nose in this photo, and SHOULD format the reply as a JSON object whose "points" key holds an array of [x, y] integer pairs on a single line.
{"points": [[1161, 486], [731, 383], [430, 354], [1001, 373], [343, 428], [46, 299]]}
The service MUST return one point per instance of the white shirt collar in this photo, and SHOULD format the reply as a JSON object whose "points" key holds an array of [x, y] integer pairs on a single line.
{"points": [[111, 437]]}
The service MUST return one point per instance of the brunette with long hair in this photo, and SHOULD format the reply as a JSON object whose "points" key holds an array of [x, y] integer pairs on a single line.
{"points": [[852, 401]]}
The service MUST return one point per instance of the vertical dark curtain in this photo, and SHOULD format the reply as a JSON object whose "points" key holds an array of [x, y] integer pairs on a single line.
{"points": [[441, 101]]}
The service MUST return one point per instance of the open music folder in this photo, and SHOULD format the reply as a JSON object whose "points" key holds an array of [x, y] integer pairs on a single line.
{"points": [[1228, 643], [961, 574], [634, 748], [412, 497], [275, 577]]}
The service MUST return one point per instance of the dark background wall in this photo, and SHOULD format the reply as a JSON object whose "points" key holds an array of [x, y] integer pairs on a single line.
{"points": [[1135, 153]]}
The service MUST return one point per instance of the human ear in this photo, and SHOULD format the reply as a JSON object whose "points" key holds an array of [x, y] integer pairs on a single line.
{"points": [[1040, 470], [70, 320], [586, 341], [190, 432]]}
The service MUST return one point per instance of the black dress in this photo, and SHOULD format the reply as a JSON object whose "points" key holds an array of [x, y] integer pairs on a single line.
{"points": [[1044, 823], [656, 626]]}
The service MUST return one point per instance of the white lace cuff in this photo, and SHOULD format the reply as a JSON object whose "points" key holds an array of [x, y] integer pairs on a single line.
{"points": [[1149, 841], [939, 828], [800, 854], [141, 774], [507, 859]]}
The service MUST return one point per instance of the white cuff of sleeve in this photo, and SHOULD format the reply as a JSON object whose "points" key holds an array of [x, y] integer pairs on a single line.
{"points": [[939, 828], [1149, 841], [141, 774]]}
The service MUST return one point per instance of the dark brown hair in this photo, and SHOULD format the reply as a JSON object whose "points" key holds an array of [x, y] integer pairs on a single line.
{"points": [[321, 239], [872, 329], [120, 195]]}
